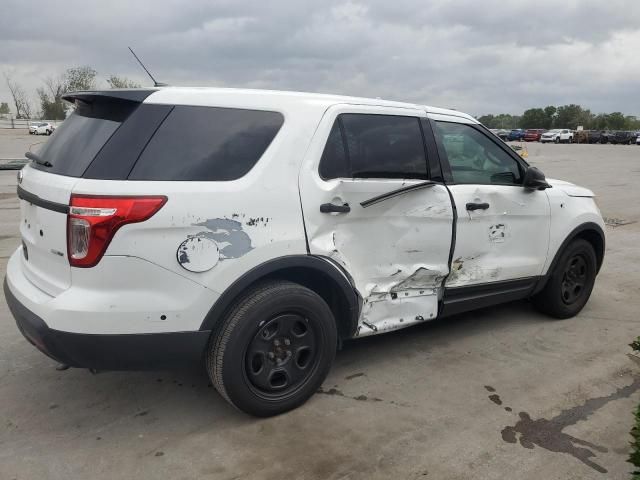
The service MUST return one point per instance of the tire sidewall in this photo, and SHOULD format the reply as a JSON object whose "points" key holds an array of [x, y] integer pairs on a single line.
{"points": [[297, 299], [577, 247]]}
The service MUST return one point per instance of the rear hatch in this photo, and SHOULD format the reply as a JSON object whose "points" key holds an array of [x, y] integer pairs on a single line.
{"points": [[46, 184]]}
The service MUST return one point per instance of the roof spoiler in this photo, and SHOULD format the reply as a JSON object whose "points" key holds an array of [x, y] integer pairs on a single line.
{"points": [[131, 95]]}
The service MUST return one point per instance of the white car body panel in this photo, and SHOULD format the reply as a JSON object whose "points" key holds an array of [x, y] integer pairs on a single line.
{"points": [[120, 295], [507, 241]]}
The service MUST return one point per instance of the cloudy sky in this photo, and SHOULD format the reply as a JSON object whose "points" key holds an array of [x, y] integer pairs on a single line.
{"points": [[477, 56]]}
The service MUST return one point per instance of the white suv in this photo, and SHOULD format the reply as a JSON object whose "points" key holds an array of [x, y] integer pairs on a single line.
{"points": [[557, 136], [42, 128], [256, 230]]}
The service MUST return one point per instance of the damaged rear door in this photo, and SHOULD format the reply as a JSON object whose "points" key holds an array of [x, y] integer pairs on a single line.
{"points": [[371, 204]]}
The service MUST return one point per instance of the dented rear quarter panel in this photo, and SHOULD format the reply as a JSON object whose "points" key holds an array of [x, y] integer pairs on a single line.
{"points": [[251, 220]]}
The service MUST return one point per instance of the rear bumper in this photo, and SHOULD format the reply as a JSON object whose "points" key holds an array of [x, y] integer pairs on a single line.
{"points": [[108, 351]]}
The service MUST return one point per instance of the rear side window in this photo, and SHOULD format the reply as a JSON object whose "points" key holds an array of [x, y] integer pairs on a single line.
{"points": [[207, 143], [82, 135], [374, 146], [333, 163]]}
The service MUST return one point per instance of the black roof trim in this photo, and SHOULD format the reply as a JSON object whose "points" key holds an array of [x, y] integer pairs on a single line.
{"points": [[132, 95]]}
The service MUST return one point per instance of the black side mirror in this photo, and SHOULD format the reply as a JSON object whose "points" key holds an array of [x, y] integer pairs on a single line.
{"points": [[535, 179]]}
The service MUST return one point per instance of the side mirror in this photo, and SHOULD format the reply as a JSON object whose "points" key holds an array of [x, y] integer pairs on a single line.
{"points": [[535, 179]]}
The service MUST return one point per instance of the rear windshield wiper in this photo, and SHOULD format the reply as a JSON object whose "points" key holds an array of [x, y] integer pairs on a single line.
{"points": [[36, 158]]}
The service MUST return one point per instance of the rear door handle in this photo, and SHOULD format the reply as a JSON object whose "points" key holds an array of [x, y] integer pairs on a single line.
{"points": [[333, 208], [477, 206]]}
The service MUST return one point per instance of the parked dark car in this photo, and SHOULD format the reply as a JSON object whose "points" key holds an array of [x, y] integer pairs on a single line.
{"points": [[591, 136], [533, 134], [500, 133], [516, 134], [623, 137], [503, 134]]}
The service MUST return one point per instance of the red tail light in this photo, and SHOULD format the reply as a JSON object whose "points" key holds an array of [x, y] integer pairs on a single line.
{"points": [[93, 221]]}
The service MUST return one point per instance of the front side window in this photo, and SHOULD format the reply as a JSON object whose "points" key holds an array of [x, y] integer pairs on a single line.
{"points": [[474, 158], [374, 146]]}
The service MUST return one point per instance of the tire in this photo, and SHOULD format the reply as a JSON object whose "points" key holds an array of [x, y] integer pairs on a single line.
{"points": [[570, 284], [277, 331], [557, 140]]}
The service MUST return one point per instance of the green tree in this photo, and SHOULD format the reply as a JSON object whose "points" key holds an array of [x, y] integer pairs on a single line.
{"points": [[502, 120], [4, 108], [73, 79], [80, 78], [115, 81], [615, 121], [533, 118], [550, 115], [600, 122], [631, 122], [488, 121], [52, 108], [570, 116]]}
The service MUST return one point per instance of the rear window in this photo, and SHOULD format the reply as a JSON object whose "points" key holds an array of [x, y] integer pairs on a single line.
{"points": [[76, 142], [374, 146], [207, 144]]}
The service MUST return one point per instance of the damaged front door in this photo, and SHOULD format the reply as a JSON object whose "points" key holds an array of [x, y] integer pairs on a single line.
{"points": [[369, 204], [502, 231]]}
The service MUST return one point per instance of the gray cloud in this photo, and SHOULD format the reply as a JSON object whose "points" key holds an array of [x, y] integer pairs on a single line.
{"points": [[478, 57]]}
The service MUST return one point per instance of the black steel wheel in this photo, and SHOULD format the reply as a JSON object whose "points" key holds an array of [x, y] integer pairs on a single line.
{"points": [[281, 355], [574, 279], [273, 349], [569, 285]]}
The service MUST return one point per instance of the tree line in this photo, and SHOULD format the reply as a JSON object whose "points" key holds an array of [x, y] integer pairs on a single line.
{"points": [[51, 106], [565, 116]]}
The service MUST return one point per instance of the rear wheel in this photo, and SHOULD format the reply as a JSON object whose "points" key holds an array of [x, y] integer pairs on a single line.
{"points": [[274, 348], [571, 282]]}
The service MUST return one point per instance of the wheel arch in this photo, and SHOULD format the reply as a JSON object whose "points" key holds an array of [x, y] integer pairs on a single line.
{"points": [[319, 274], [592, 233]]}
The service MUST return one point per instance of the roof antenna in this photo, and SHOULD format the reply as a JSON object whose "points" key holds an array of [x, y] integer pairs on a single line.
{"points": [[155, 83]]}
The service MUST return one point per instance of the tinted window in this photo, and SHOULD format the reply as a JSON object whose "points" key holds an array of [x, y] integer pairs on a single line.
{"points": [[333, 163], [475, 158], [76, 142], [377, 146], [206, 143]]}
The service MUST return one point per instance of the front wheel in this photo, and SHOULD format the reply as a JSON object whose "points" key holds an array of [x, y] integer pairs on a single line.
{"points": [[274, 348], [569, 287]]}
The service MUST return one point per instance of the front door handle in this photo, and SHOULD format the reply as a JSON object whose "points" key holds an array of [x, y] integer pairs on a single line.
{"points": [[477, 206], [333, 208]]}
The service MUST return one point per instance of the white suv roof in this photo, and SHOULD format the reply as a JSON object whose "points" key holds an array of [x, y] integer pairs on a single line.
{"points": [[271, 98]]}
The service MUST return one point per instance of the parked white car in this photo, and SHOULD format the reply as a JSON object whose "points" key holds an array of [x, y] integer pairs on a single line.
{"points": [[557, 136], [256, 230], [41, 128]]}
